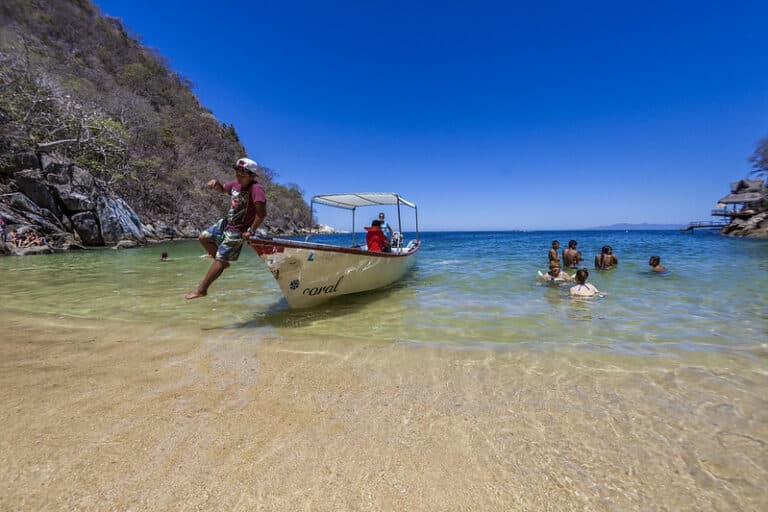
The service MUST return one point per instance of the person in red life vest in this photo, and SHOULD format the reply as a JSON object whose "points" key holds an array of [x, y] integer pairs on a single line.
{"points": [[247, 210], [376, 240]]}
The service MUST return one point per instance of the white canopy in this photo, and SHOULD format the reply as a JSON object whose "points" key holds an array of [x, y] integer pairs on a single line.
{"points": [[352, 201]]}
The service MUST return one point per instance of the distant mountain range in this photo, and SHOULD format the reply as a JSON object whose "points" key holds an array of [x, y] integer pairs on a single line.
{"points": [[638, 227]]}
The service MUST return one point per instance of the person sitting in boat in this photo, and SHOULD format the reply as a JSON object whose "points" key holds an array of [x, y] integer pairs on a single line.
{"points": [[656, 266], [571, 257], [385, 228], [555, 275], [375, 238], [247, 210], [582, 288], [606, 260]]}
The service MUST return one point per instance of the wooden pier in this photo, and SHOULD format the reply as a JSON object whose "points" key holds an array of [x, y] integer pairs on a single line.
{"points": [[705, 224]]}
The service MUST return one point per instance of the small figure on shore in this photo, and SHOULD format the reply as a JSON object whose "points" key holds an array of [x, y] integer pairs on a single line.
{"points": [[375, 238], [385, 228], [606, 260], [555, 275], [247, 210], [164, 256], [582, 288], [656, 266], [571, 257], [3, 234], [553, 256]]}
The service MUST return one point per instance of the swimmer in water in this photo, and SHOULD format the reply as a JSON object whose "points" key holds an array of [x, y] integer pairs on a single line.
{"points": [[555, 275], [656, 266], [606, 259], [582, 288], [553, 257], [571, 257]]}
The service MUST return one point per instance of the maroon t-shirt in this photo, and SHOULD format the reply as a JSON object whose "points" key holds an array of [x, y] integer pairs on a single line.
{"points": [[242, 207]]}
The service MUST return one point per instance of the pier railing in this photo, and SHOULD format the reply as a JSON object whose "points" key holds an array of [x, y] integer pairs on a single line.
{"points": [[705, 224]]}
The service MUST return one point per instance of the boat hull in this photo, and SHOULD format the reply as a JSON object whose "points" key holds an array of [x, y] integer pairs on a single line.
{"points": [[309, 274]]}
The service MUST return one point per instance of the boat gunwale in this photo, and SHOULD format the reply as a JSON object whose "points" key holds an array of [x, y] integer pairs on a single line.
{"points": [[282, 242]]}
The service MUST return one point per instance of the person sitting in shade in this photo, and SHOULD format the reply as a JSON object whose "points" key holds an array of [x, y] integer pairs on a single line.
{"points": [[656, 266], [582, 288], [375, 238], [606, 259], [385, 228], [555, 274]]}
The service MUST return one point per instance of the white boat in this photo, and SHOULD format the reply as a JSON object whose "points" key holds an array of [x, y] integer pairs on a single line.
{"points": [[311, 273]]}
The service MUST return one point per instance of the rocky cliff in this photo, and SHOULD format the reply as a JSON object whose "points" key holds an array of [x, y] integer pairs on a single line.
{"points": [[127, 130]]}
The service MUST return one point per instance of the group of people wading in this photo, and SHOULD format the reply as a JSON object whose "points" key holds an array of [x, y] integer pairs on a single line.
{"points": [[571, 259]]}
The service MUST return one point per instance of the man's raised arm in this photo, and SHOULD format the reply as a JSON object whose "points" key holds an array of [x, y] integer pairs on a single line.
{"points": [[216, 185]]}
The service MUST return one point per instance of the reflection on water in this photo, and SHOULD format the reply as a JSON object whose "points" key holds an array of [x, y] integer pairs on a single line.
{"points": [[467, 288]]}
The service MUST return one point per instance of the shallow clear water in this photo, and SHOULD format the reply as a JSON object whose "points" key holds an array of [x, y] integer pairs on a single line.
{"points": [[467, 289]]}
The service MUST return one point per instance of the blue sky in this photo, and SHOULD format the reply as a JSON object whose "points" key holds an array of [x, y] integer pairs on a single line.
{"points": [[488, 115]]}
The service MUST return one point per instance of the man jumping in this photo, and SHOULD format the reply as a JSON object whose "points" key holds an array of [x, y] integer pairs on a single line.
{"points": [[247, 211]]}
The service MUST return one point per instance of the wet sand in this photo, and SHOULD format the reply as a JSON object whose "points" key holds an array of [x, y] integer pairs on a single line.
{"points": [[117, 416]]}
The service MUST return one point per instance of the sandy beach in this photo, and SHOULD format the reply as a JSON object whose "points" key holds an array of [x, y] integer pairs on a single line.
{"points": [[100, 415]]}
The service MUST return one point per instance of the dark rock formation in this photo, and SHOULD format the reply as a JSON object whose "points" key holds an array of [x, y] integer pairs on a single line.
{"points": [[65, 202], [87, 228], [755, 226]]}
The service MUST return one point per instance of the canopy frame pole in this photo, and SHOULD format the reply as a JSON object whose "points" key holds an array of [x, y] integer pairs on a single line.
{"points": [[353, 225], [417, 223], [311, 219], [399, 222]]}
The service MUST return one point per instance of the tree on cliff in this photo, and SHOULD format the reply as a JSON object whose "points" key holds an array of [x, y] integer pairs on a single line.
{"points": [[74, 81]]}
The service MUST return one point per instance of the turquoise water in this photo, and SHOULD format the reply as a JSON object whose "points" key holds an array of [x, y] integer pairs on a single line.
{"points": [[467, 289]]}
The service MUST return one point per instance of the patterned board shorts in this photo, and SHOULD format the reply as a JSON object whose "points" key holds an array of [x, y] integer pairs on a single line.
{"points": [[229, 242]]}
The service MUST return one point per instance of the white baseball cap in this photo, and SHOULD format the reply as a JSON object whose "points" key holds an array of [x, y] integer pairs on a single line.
{"points": [[246, 164]]}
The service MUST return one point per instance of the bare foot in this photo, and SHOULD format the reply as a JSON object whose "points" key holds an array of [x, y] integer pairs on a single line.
{"points": [[195, 295]]}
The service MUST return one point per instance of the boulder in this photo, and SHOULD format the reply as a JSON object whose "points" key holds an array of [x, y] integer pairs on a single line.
{"points": [[118, 221], [34, 186], [187, 230], [21, 203], [32, 251], [53, 162], [57, 178], [27, 212], [19, 161], [126, 244], [164, 231], [87, 228], [6, 249], [63, 242], [66, 223], [82, 179], [71, 201], [148, 230]]}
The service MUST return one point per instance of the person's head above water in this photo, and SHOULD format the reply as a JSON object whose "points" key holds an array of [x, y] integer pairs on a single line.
{"points": [[164, 256], [581, 275], [554, 269], [654, 261], [555, 244], [572, 244], [607, 249]]}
